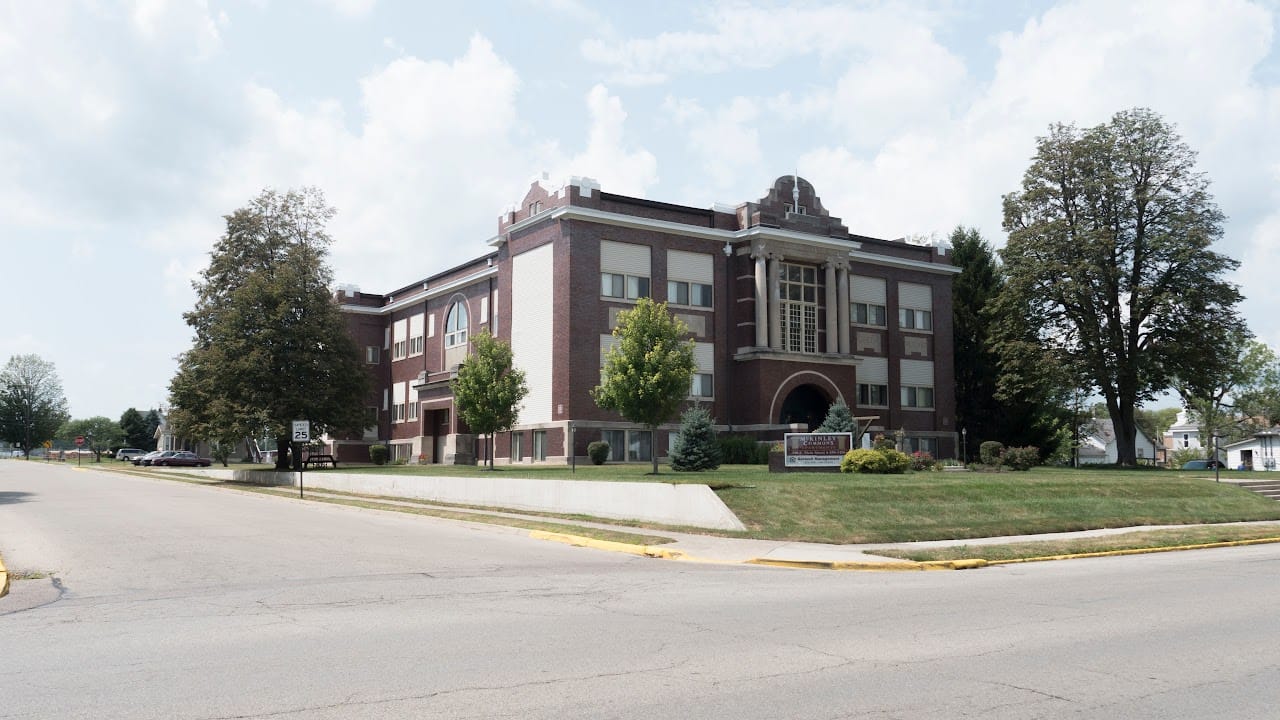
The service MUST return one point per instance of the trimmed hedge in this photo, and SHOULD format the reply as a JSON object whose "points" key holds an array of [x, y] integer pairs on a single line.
{"points": [[378, 454], [598, 451]]}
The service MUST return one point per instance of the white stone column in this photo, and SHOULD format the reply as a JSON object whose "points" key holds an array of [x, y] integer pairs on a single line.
{"points": [[775, 302], [833, 341], [842, 306], [762, 300]]}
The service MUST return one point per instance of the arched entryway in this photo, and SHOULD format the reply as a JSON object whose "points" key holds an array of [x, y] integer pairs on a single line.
{"points": [[806, 404]]}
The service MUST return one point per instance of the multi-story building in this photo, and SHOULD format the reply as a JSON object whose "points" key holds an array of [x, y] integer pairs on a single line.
{"points": [[789, 312]]}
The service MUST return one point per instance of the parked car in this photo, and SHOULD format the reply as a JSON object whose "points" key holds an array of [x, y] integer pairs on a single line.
{"points": [[1202, 465], [150, 457], [181, 458], [128, 454]]}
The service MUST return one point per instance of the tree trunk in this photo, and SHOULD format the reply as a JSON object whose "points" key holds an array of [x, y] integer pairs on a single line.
{"points": [[653, 447], [1122, 422], [282, 453]]}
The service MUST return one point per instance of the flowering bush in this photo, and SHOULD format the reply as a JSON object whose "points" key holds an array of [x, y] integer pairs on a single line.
{"points": [[864, 461], [921, 461]]}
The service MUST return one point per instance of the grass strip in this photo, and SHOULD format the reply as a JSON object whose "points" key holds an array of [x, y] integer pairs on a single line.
{"points": [[1141, 540]]}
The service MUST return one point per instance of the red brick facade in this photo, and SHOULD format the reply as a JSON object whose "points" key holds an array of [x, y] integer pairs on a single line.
{"points": [[759, 389]]}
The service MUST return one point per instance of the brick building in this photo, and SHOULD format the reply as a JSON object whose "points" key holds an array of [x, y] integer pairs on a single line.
{"points": [[789, 310]]}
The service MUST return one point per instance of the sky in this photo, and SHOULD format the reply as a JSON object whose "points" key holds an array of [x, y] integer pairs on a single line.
{"points": [[128, 129]]}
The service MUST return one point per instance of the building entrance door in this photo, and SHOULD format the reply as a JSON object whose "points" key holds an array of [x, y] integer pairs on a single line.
{"points": [[806, 404]]}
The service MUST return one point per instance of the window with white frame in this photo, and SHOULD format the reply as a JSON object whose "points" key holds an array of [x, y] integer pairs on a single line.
{"points": [[413, 411], [415, 334], [702, 383], [689, 278], [399, 340], [873, 381], [399, 397], [798, 290], [627, 445], [372, 354], [916, 380], [915, 306], [617, 440], [455, 326], [624, 270], [867, 300], [917, 397], [517, 446]]}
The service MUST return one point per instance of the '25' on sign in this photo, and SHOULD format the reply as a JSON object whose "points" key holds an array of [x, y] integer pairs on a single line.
{"points": [[301, 431]]}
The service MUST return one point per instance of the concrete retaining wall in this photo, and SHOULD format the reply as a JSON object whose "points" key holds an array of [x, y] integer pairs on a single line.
{"points": [[691, 505]]}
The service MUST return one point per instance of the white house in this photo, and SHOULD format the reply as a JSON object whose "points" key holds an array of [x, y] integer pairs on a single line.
{"points": [[1259, 452], [1184, 433], [1098, 444]]}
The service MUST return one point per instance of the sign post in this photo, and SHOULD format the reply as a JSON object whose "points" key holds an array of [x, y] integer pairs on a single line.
{"points": [[79, 445], [301, 434]]}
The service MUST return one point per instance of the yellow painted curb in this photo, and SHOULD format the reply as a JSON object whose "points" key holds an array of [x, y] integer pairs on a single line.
{"points": [[610, 545], [4, 579], [1137, 551]]}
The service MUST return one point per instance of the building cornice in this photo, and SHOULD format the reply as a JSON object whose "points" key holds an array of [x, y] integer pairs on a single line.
{"points": [[424, 294], [733, 237]]}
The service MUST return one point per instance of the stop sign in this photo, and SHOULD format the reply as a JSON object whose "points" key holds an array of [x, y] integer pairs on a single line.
{"points": [[79, 440]]}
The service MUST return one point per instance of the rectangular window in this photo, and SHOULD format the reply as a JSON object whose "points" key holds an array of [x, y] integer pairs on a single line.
{"points": [[917, 397], [399, 339], [372, 355], [413, 411], [639, 445], [909, 319], [517, 446], [702, 386], [921, 445], [694, 294], [869, 394], [868, 314], [617, 440], [535, 207], [617, 285], [397, 412], [798, 290], [415, 334], [539, 444]]}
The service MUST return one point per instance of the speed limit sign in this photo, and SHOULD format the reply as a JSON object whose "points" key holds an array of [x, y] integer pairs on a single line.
{"points": [[302, 431]]}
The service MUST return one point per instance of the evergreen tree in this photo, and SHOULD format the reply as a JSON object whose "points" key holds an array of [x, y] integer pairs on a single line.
{"points": [[134, 425], [695, 448], [839, 419]]}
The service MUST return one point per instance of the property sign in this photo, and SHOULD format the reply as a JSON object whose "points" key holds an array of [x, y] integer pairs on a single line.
{"points": [[302, 431], [816, 449]]}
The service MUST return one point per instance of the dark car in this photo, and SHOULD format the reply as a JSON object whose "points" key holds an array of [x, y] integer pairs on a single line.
{"points": [[151, 457], [181, 458], [1203, 465]]}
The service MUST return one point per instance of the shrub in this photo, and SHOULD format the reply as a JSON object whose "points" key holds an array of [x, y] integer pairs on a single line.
{"points": [[378, 454], [990, 452], [1180, 457], [695, 448], [921, 461], [1021, 458], [896, 461], [864, 461], [883, 442], [742, 450], [598, 451]]}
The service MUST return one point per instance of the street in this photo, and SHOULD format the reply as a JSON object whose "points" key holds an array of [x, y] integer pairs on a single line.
{"points": [[169, 600]]}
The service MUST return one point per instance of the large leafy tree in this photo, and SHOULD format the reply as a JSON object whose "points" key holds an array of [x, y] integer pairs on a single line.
{"points": [[270, 343], [488, 389], [1259, 400], [1109, 259], [648, 369], [1232, 404], [100, 434], [32, 406]]}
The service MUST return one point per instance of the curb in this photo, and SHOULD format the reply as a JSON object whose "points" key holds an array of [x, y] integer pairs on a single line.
{"points": [[4, 579], [610, 545], [1136, 551], [900, 566]]}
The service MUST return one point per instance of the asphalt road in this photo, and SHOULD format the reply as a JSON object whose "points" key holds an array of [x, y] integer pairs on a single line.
{"points": [[169, 600]]}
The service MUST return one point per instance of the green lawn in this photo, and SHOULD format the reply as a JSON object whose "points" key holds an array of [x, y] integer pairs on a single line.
{"points": [[835, 508]]}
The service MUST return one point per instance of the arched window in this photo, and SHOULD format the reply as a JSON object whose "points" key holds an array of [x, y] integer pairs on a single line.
{"points": [[455, 326]]}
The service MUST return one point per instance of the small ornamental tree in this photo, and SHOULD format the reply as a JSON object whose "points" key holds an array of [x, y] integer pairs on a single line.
{"points": [[839, 419], [695, 448], [646, 373], [489, 388]]}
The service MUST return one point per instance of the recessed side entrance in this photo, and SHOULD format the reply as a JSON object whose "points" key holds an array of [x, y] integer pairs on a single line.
{"points": [[806, 404]]}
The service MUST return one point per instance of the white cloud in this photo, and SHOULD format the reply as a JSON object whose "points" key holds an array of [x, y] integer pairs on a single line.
{"points": [[606, 156], [725, 144], [351, 8], [184, 25]]}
